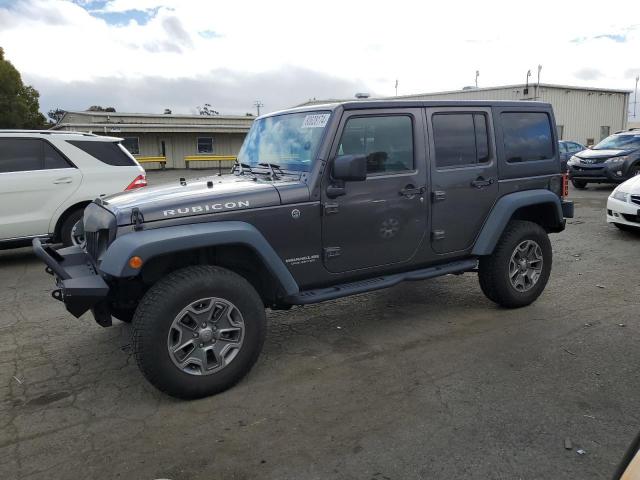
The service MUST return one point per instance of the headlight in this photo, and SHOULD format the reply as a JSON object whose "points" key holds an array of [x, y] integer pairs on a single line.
{"points": [[616, 160], [619, 195], [573, 160]]}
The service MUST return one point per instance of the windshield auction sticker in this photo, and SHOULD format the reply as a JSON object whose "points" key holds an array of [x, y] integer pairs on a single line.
{"points": [[318, 120]]}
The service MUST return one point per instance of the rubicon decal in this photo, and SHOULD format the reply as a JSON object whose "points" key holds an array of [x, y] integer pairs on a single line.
{"points": [[209, 207]]}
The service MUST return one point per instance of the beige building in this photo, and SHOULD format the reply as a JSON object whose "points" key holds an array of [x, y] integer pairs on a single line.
{"points": [[171, 141]]}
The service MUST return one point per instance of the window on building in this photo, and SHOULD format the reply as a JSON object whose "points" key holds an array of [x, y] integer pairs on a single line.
{"points": [[527, 136], [205, 145], [460, 139], [605, 131], [560, 131], [132, 144], [386, 141], [20, 155], [53, 159]]}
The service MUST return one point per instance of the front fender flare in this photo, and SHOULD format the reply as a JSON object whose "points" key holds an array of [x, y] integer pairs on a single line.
{"points": [[504, 209], [148, 244]]}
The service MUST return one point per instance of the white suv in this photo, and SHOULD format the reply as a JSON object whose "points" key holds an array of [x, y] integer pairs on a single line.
{"points": [[47, 178], [623, 205]]}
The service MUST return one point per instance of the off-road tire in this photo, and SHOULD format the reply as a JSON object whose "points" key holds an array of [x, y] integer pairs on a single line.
{"points": [[67, 226], [166, 299], [579, 184], [493, 270]]}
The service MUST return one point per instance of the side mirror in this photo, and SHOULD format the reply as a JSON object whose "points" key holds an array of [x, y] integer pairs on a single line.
{"points": [[350, 168]]}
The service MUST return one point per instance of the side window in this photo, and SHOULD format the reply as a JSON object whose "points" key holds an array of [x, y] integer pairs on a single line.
{"points": [[460, 139], [563, 147], [52, 159], [527, 136], [132, 144], [386, 141], [106, 152], [20, 155]]}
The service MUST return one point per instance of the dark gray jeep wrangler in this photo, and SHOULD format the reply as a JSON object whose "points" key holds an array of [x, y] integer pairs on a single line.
{"points": [[324, 202]]}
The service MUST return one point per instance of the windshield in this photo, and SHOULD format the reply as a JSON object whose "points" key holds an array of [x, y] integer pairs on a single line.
{"points": [[289, 141], [619, 142]]}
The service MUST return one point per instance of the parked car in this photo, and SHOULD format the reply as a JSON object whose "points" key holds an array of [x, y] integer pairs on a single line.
{"points": [[326, 202], [623, 205], [47, 178], [567, 150], [613, 160]]}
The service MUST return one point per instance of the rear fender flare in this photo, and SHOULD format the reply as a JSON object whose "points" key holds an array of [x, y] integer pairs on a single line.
{"points": [[504, 209], [148, 244]]}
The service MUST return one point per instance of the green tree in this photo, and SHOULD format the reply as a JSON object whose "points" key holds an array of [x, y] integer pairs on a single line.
{"points": [[19, 105]]}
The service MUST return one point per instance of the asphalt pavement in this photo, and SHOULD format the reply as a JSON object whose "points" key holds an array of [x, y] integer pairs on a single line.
{"points": [[426, 380]]}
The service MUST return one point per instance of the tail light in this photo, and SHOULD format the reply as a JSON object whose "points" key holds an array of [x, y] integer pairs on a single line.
{"points": [[565, 185], [138, 182]]}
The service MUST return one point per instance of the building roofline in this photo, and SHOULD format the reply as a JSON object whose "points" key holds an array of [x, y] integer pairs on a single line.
{"points": [[517, 85], [160, 115]]}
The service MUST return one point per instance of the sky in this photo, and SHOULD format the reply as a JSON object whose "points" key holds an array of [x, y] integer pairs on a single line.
{"points": [[148, 55]]}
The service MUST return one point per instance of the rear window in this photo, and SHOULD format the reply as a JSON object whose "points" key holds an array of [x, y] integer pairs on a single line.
{"points": [[527, 136], [107, 152]]}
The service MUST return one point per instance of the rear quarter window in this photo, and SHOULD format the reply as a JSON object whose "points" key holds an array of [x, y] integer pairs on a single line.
{"points": [[527, 136], [106, 152]]}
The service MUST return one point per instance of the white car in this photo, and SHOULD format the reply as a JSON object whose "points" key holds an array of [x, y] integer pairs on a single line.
{"points": [[47, 178], [623, 205]]}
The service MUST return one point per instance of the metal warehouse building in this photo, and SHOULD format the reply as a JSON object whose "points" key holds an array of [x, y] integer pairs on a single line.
{"points": [[174, 141], [586, 115]]}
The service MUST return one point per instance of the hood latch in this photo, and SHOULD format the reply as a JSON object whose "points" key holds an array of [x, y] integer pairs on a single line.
{"points": [[137, 219]]}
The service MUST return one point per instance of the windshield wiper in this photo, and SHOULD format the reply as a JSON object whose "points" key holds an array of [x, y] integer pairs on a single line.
{"points": [[242, 168], [272, 169]]}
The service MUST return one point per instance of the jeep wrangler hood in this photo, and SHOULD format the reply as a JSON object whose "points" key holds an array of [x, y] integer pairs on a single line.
{"points": [[194, 197]]}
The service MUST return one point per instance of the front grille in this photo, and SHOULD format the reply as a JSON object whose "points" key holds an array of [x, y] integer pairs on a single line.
{"points": [[631, 218], [96, 243], [635, 199]]}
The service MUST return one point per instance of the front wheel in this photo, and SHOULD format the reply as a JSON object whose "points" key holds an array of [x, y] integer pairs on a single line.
{"points": [[579, 184], [515, 274], [198, 331]]}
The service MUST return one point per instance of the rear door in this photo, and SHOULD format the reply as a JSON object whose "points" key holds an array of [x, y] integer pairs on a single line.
{"points": [[34, 180], [464, 175]]}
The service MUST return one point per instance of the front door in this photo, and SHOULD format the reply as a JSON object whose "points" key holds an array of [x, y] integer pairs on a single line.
{"points": [[381, 220], [464, 175]]}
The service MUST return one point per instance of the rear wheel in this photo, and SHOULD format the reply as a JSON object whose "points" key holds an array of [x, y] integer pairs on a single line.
{"points": [[198, 331], [579, 184], [515, 274]]}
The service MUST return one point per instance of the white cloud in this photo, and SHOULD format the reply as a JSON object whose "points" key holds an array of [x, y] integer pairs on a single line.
{"points": [[428, 46]]}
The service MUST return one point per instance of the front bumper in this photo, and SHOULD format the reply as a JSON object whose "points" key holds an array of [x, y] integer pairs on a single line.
{"points": [[624, 213], [598, 173], [80, 285]]}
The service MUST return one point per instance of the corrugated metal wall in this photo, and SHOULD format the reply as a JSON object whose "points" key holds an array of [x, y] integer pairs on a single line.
{"points": [[581, 113], [180, 145]]}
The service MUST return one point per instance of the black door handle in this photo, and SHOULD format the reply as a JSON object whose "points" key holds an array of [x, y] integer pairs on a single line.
{"points": [[480, 182], [410, 190]]}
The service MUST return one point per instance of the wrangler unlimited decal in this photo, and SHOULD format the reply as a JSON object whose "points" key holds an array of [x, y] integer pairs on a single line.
{"points": [[207, 208]]}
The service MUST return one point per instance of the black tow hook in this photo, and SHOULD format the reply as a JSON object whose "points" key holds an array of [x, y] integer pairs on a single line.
{"points": [[57, 294], [48, 270]]}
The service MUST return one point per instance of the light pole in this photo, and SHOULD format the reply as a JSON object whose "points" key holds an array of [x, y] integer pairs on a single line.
{"points": [[396, 87], [635, 99], [477, 75], [258, 104], [538, 84], [526, 86]]}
